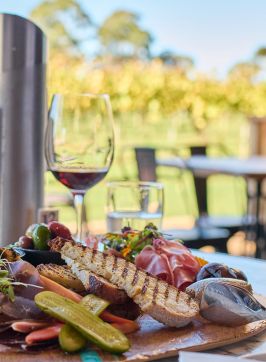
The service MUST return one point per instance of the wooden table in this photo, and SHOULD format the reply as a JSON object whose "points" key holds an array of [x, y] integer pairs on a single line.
{"points": [[253, 168]]}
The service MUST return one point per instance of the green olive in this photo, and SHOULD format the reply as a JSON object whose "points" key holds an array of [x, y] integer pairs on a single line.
{"points": [[41, 235], [30, 230]]}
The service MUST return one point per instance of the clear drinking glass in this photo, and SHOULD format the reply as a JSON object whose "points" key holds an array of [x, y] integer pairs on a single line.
{"points": [[79, 143], [134, 204]]}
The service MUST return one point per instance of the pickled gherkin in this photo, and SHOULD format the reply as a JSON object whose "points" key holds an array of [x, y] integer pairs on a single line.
{"points": [[94, 304], [90, 326], [70, 339]]}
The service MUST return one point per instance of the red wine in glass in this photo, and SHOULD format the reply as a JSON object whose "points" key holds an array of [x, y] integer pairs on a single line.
{"points": [[79, 180], [79, 144]]}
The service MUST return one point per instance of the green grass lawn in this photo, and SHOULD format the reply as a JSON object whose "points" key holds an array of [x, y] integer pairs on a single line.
{"points": [[226, 194]]}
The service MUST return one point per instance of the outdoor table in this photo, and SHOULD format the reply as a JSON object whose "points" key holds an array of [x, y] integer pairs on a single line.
{"points": [[252, 168]]}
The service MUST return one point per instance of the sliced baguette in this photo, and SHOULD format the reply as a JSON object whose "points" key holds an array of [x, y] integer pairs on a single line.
{"points": [[61, 274], [155, 297], [94, 284]]}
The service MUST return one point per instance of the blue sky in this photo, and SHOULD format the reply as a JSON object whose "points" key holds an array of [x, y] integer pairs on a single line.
{"points": [[215, 33]]}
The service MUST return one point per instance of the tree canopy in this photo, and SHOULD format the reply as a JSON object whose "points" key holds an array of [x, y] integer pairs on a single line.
{"points": [[245, 70], [121, 36], [261, 52], [153, 89], [65, 23], [170, 58]]}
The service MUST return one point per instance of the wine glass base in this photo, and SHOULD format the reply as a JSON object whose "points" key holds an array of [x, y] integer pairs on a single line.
{"points": [[79, 241]]}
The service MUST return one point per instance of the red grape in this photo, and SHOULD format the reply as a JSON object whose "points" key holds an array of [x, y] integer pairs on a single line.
{"points": [[25, 242], [58, 229]]}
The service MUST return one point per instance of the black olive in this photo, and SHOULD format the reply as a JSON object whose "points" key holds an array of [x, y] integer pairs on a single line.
{"points": [[239, 274], [218, 270], [120, 247]]}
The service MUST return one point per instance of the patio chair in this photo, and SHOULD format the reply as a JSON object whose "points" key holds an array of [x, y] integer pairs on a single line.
{"points": [[147, 170], [231, 223], [146, 163], [195, 237]]}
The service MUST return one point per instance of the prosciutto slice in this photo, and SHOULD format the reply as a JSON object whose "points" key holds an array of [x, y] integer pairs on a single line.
{"points": [[170, 261], [24, 272], [23, 307]]}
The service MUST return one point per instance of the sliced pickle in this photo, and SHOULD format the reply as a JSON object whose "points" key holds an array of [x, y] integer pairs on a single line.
{"points": [[94, 304], [70, 339], [90, 326]]}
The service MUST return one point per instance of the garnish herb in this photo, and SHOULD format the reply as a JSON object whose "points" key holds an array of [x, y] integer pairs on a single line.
{"points": [[7, 282], [130, 242]]}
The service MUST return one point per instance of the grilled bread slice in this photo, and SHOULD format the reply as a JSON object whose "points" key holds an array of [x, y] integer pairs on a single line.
{"points": [[61, 274], [128, 310], [101, 287], [94, 284], [154, 296]]}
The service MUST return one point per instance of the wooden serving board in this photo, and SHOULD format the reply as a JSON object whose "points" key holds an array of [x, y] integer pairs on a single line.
{"points": [[153, 341]]}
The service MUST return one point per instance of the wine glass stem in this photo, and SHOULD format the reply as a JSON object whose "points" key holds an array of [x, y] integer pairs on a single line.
{"points": [[79, 205]]}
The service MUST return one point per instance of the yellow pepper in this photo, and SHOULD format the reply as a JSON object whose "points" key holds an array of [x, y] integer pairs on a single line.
{"points": [[126, 251]]}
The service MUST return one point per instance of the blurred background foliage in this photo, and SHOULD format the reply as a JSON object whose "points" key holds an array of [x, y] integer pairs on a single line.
{"points": [[155, 85], [157, 99]]}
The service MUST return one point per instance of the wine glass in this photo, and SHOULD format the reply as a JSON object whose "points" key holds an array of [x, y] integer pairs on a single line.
{"points": [[79, 144]]}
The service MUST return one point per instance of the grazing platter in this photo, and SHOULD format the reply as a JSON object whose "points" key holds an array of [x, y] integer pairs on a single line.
{"points": [[129, 296], [152, 342]]}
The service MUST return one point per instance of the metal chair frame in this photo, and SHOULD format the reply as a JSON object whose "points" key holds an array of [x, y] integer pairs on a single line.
{"points": [[146, 165]]}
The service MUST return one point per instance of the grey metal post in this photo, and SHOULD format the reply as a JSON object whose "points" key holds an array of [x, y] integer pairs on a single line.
{"points": [[22, 121]]}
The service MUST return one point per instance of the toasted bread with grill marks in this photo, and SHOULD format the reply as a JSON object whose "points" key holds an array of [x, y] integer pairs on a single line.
{"points": [[154, 296], [94, 284], [61, 274], [101, 287]]}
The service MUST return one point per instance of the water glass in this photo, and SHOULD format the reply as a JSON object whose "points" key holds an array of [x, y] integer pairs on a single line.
{"points": [[134, 204]]}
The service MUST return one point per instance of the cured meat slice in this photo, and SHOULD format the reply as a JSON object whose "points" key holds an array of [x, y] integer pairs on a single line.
{"points": [[170, 261]]}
